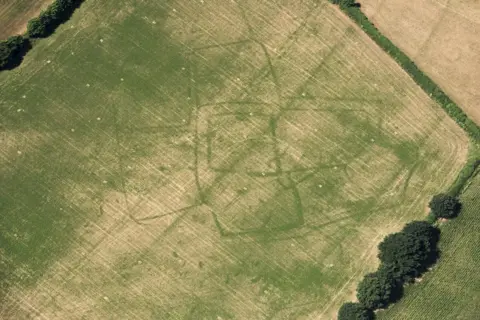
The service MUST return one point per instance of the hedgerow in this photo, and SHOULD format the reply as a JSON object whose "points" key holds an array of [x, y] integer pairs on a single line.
{"points": [[14, 48], [427, 84], [407, 254], [56, 14], [12, 51]]}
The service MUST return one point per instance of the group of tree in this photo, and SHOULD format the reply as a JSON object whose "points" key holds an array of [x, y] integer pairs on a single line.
{"points": [[14, 48], [404, 256], [56, 14]]}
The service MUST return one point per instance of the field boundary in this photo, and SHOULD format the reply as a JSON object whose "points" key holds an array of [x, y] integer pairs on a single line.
{"points": [[470, 169], [420, 78], [430, 88]]}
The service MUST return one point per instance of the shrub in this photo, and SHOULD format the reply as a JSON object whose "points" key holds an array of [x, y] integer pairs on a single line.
{"points": [[12, 51], [376, 290], [354, 311], [444, 206]]}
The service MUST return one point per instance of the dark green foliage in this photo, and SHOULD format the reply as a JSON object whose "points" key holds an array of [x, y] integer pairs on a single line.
{"points": [[354, 311], [423, 231], [346, 3], [468, 171], [444, 206], [415, 73], [376, 290], [56, 14], [36, 28], [12, 51], [407, 254], [401, 256]]}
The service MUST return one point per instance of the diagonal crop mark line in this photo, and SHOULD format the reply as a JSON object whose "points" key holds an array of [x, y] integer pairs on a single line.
{"points": [[222, 45], [273, 132], [272, 70], [157, 216], [245, 19], [240, 102], [200, 190], [342, 101], [319, 67], [120, 163], [298, 200], [263, 229], [265, 71]]}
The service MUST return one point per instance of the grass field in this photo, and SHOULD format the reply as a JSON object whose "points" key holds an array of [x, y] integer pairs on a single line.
{"points": [[191, 160], [452, 289], [441, 37], [14, 15]]}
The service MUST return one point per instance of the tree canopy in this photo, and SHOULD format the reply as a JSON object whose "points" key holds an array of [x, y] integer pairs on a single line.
{"points": [[444, 206], [423, 231], [12, 51], [376, 290], [407, 254], [354, 311], [57, 13]]}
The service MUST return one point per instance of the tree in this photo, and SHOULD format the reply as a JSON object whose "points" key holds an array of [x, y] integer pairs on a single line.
{"points": [[354, 311], [12, 51], [445, 206], [402, 256], [423, 231], [37, 28], [57, 13], [376, 290]]}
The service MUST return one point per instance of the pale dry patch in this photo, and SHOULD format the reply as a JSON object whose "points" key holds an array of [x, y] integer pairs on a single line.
{"points": [[177, 196], [368, 174], [226, 71], [116, 236], [308, 139], [209, 22], [15, 144]]}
